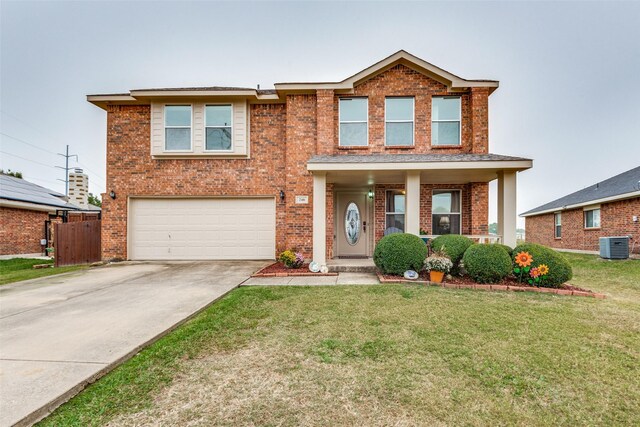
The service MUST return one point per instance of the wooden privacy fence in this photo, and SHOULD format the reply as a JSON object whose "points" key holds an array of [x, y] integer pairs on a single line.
{"points": [[77, 242]]}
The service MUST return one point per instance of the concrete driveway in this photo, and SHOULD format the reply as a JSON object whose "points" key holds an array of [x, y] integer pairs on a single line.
{"points": [[59, 333]]}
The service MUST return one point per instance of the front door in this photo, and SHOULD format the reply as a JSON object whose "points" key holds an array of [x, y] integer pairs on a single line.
{"points": [[353, 225]]}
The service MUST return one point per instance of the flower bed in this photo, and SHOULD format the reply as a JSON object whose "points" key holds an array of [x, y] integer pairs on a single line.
{"points": [[507, 284], [277, 269]]}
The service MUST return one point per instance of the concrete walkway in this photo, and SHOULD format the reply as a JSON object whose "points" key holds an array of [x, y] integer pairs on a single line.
{"points": [[59, 333], [340, 279]]}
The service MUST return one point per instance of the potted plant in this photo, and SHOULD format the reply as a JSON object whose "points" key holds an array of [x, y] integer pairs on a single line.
{"points": [[437, 265]]}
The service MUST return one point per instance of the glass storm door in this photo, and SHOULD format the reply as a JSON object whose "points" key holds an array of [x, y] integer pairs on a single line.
{"points": [[353, 224]]}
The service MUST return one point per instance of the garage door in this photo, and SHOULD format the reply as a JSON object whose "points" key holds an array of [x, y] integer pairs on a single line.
{"points": [[201, 229]]}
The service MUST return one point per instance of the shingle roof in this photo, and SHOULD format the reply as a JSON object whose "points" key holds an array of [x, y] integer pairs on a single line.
{"points": [[17, 189], [207, 89], [412, 158], [626, 182]]}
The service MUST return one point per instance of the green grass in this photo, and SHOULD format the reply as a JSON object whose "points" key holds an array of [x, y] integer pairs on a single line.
{"points": [[17, 269], [383, 355]]}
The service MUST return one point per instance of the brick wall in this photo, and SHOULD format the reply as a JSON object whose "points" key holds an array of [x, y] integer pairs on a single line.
{"points": [[615, 220], [132, 172], [21, 231]]}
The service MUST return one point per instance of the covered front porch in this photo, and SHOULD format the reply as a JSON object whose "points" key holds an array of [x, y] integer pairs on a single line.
{"points": [[357, 199]]}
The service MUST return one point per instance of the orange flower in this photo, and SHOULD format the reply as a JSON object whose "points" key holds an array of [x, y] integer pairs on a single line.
{"points": [[535, 272], [543, 269], [523, 259]]}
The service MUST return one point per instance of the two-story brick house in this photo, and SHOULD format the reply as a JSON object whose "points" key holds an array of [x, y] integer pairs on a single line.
{"points": [[325, 168]]}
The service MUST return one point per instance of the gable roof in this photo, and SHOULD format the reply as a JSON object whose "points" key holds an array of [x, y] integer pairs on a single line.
{"points": [[623, 186], [20, 190], [452, 81], [403, 57]]}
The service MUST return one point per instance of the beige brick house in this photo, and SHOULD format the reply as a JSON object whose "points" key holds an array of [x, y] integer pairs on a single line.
{"points": [[325, 168]]}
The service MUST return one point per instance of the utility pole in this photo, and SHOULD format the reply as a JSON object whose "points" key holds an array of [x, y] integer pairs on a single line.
{"points": [[66, 170]]}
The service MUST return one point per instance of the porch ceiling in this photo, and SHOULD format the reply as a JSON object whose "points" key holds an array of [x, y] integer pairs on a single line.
{"points": [[362, 170]]}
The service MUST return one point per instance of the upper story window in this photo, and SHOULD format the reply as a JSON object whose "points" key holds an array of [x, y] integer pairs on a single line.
{"points": [[445, 120], [353, 122], [218, 127], [399, 122], [592, 218], [394, 212], [445, 210], [557, 218], [177, 127]]}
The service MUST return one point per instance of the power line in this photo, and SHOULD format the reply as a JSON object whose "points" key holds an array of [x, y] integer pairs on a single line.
{"points": [[28, 160], [66, 169], [28, 143]]}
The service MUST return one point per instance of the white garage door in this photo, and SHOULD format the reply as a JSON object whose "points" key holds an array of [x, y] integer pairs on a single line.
{"points": [[193, 229]]}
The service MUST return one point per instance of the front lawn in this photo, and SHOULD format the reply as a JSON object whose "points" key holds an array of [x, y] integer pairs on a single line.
{"points": [[388, 355], [17, 269]]}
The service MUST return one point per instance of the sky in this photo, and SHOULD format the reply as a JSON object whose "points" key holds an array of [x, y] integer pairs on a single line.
{"points": [[569, 96]]}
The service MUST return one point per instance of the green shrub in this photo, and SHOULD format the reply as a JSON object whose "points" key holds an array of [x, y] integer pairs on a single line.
{"points": [[399, 252], [452, 245], [505, 247], [559, 268], [487, 263]]}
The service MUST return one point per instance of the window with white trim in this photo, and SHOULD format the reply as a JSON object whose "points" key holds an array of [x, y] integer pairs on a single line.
{"points": [[399, 127], [592, 218], [394, 212], [445, 212], [353, 118], [557, 218], [218, 127], [177, 127], [445, 120]]}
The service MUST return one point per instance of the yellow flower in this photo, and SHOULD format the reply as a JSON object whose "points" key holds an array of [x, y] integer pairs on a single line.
{"points": [[543, 269], [523, 259]]}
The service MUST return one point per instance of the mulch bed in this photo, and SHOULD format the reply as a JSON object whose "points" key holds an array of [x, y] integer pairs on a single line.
{"points": [[508, 284], [278, 269]]}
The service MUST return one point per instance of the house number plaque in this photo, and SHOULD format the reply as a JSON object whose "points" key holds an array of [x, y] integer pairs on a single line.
{"points": [[302, 200]]}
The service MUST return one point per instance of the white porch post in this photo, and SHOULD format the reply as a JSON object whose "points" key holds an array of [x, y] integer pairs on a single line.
{"points": [[507, 207], [412, 203], [320, 218]]}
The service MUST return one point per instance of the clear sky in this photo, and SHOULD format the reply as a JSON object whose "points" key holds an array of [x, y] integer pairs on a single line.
{"points": [[569, 72]]}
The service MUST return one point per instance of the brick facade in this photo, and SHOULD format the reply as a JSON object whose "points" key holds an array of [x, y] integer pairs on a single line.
{"points": [[283, 136], [21, 231], [616, 219]]}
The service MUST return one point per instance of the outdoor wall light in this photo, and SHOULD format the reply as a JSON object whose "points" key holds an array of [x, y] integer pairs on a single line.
{"points": [[370, 193], [282, 195], [112, 194]]}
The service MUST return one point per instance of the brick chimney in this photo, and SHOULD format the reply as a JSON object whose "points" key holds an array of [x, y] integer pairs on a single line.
{"points": [[79, 188]]}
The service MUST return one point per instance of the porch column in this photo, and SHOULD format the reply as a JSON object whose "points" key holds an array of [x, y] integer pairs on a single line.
{"points": [[320, 218], [507, 207], [412, 203]]}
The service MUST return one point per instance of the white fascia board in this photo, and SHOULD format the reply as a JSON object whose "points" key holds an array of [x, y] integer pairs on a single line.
{"points": [[518, 165], [623, 196], [29, 206]]}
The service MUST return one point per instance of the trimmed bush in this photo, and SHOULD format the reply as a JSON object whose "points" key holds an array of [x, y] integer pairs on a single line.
{"points": [[505, 247], [399, 252], [559, 268], [453, 245], [487, 263]]}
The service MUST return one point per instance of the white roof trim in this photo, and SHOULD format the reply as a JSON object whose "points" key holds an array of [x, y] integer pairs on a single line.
{"points": [[587, 203], [30, 206], [518, 165], [400, 57]]}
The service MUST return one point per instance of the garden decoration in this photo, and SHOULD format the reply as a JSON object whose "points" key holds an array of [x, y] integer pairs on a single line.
{"points": [[534, 276], [437, 265]]}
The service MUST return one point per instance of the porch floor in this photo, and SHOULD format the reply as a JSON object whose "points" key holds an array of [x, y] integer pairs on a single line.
{"points": [[351, 265]]}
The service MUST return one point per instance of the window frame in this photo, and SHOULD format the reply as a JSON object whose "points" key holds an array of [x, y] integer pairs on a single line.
{"points": [[204, 142], [165, 127], [412, 121], [340, 122], [459, 121], [557, 225], [386, 214], [446, 190], [584, 215]]}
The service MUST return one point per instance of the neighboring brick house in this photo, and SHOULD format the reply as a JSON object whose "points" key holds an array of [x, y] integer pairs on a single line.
{"points": [[27, 211], [607, 209], [324, 168]]}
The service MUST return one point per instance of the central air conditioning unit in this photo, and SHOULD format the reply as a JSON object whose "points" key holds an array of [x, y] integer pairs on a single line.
{"points": [[614, 247]]}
